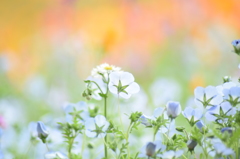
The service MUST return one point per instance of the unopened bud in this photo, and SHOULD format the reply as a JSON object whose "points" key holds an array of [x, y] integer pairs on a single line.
{"points": [[191, 144], [150, 149], [42, 131]]}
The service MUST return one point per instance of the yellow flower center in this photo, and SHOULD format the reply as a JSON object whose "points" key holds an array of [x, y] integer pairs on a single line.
{"points": [[108, 68]]}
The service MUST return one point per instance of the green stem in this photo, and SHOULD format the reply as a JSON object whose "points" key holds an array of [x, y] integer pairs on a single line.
{"points": [[127, 136], [169, 127], [70, 147], [105, 114], [83, 142]]}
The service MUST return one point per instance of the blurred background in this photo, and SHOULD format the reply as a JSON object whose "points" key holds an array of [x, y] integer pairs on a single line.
{"points": [[47, 49]]}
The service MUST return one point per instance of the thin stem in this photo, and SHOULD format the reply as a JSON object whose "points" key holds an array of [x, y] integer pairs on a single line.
{"points": [[98, 86], [47, 146], [70, 147], [83, 142], [28, 150], [184, 156], [127, 136], [169, 128], [105, 114], [119, 113]]}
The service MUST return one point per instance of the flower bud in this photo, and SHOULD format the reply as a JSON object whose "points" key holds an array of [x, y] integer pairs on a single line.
{"points": [[145, 120], [150, 149], [173, 109], [236, 46], [191, 144], [227, 129], [42, 131], [226, 79]]}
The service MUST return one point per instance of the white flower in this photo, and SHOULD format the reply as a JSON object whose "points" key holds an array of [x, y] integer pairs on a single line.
{"points": [[171, 154], [224, 108], [80, 109], [173, 109], [207, 97], [150, 148], [96, 127], [104, 69], [122, 83], [55, 155], [192, 115], [42, 130]]}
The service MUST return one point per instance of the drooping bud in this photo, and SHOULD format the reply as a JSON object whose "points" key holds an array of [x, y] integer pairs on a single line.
{"points": [[150, 149], [227, 129], [226, 79], [145, 120], [191, 144], [42, 131]]}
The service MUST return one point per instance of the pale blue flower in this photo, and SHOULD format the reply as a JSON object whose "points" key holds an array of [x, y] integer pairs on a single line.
{"points": [[232, 95], [192, 115], [236, 46], [150, 148], [207, 97], [171, 154], [173, 109], [80, 108], [55, 155], [222, 150], [224, 86], [200, 125], [122, 84], [163, 90], [227, 129], [96, 127], [226, 108]]}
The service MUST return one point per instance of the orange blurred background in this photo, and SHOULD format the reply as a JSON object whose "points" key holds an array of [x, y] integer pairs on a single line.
{"points": [[133, 34]]}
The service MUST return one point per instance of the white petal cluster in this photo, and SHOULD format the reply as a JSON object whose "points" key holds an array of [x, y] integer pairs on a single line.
{"points": [[124, 80], [104, 69]]}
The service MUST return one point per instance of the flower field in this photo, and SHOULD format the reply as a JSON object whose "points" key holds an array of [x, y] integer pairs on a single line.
{"points": [[119, 79]]}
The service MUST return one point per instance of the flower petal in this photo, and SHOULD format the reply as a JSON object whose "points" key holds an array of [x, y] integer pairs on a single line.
{"points": [[100, 120], [124, 95], [126, 78], [199, 93], [133, 88], [114, 78], [210, 92]]}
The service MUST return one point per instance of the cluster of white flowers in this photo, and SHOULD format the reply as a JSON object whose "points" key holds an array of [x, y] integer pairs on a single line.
{"points": [[103, 70]]}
